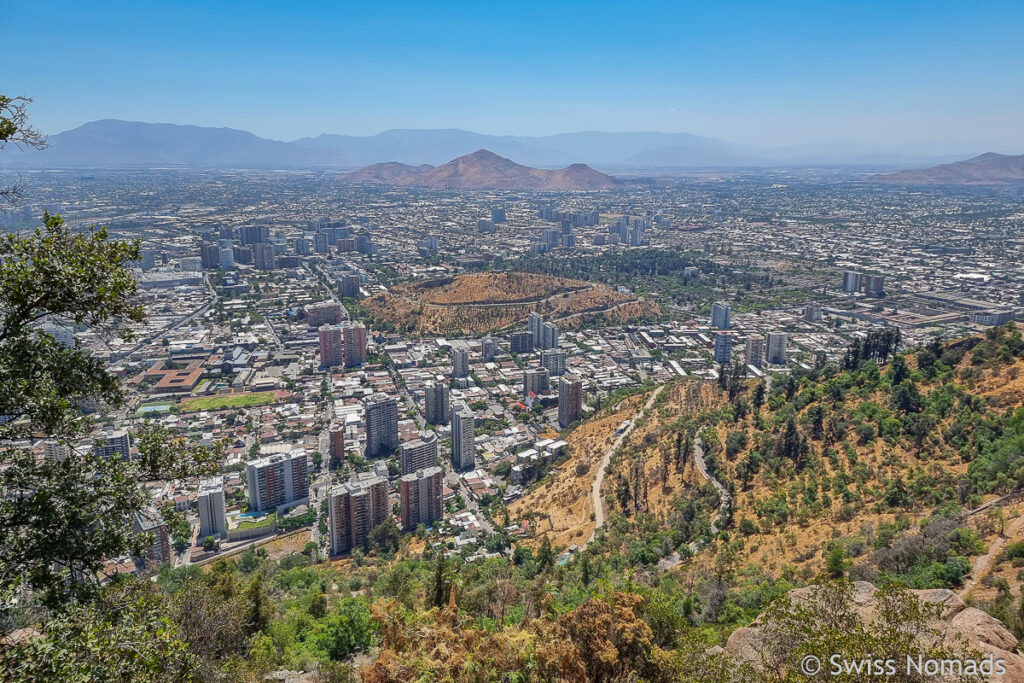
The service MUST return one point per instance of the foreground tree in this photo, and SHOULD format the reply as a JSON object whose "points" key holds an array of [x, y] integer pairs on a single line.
{"points": [[14, 129], [61, 518], [826, 622]]}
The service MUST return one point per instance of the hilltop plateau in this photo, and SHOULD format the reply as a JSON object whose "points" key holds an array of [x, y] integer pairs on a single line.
{"points": [[483, 302]]}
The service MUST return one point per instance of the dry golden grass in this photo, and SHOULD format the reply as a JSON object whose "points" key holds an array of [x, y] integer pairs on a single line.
{"points": [[989, 568], [282, 546], [665, 485], [801, 542], [494, 288], [562, 504], [488, 302]]}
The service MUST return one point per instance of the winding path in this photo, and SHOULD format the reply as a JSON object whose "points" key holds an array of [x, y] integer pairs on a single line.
{"points": [[726, 499], [672, 560], [983, 564], [698, 457], [595, 489]]}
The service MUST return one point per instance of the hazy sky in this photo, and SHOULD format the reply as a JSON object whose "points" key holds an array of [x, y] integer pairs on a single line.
{"points": [[755, 72]]}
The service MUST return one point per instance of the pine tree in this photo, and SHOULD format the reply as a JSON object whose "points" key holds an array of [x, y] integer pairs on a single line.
{"points": [[258, 604], [545, 555], [439, 592]]}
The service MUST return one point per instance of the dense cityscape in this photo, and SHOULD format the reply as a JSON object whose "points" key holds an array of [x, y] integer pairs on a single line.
{"points": [[263, 332], [549, 342]]}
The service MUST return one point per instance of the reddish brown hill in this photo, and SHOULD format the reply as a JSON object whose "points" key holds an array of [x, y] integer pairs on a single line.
{"points": [[387, 172], [987, 169], [485, 170]]}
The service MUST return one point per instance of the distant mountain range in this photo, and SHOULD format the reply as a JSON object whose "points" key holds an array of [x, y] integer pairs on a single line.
{"points": [[986, 169], [483, 169], [123, 144]]}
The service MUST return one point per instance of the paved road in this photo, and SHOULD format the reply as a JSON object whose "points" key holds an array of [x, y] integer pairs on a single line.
{"points": [[455, 483], [317, 494], [595, 489]]}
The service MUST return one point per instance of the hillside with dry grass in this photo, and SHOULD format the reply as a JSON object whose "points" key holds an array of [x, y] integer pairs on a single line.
{"points": [[560, 507], [490, 302], [829, 463], [836, 464]]}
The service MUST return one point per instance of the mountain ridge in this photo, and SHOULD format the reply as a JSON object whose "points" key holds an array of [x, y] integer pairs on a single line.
{"points": [[483, 169], [989, 168], [114, 143]]}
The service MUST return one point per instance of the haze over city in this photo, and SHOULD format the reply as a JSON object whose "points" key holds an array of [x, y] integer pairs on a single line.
{"points": [[927, 77], [575, 342]]}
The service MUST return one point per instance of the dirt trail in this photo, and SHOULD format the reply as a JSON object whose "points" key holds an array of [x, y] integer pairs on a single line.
{"points": [[674, 559], [595, 491], [983, 564]]}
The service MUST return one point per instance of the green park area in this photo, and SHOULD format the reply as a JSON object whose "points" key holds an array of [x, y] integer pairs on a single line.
{"points": [[225, 401], [266, 520]]}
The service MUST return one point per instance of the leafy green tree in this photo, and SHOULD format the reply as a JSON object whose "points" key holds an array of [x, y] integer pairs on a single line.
{"points": [[259, 609], [906, 398], [545, 555], [758, 397], [826, 623], [177, 526], [837, 564], [385, 537], [318, 605], [440, 584], [898, 371], [124, 634], [51, 510], [344, 631], [15, 129]]}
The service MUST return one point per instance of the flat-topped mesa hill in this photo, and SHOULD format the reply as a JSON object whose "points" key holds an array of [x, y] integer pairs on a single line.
{"points": [[489, 302], [484, 170], [986, 169]]}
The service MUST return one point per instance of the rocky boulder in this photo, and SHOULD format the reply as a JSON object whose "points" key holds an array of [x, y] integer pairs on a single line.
{"points": [[955, 626]]}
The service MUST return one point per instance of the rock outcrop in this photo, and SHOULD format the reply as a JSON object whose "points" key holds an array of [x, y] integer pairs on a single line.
{"points": [[955, 626]]}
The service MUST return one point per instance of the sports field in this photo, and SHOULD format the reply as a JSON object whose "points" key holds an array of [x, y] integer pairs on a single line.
{"points": [[225, 401]]}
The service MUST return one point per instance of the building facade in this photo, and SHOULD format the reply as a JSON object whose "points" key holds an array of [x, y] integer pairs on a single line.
{"points": [[570, 401], [460, 363], [421, 496], [723, 348], [463, 437], [520, 342], [436, 403], [353, 510], [419, 453], [755, 351], [852, 282], [553, 360], [277, 480], [535, 381], [381, 425], [332, 346], [775, 343], [721, 315], [489, 349], [336, 444], [212, 519]]}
